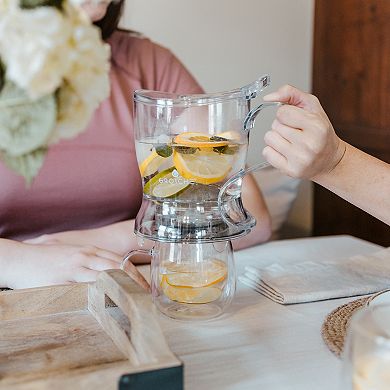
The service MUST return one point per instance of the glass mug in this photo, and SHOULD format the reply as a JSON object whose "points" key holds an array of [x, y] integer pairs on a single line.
{"points": [[190, 281], [366, 364]]}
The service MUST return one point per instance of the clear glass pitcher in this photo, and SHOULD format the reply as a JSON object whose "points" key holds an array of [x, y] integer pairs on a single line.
{"points": [[188, 147], [191, 281]]}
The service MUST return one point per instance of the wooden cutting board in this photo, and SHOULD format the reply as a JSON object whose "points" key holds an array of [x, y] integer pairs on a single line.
{"points": [[102, 335]]}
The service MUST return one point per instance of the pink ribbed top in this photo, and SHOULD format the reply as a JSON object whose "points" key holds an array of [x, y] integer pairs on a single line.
{"points": [[93, 179]]}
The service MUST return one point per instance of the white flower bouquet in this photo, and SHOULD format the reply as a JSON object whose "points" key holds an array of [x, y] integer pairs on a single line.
{"points": [[53, 75]]}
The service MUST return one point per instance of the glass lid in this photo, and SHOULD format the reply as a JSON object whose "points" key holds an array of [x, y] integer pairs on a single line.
{"points": [[157, 98]]}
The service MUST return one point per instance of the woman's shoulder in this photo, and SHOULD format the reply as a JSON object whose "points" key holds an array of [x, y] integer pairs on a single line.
{"points": [[152, 65], [131, 47]]}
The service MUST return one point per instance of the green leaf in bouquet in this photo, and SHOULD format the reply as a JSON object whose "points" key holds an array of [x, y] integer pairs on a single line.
{"points": [[25, 124], [27, 165], [29, 4]]}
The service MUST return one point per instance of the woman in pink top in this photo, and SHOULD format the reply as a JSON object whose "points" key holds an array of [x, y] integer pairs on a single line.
{"points": [[77, 217]]}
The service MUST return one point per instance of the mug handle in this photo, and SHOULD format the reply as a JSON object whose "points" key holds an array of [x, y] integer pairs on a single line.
{"points": [[250, 118], [229, 197], [132, 253]]}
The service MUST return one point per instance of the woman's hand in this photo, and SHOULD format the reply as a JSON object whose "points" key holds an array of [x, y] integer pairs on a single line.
{"points": [[71, 237], [118, 237], [42, 265], [302, 142]]}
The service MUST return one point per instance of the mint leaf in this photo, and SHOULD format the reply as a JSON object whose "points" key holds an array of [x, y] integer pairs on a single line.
{"points": [[233, 149], [184, 149], [216, 138], [163, 150]]}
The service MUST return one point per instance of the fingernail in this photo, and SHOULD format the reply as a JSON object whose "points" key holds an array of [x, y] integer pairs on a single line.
{"points": [[271, 96]]}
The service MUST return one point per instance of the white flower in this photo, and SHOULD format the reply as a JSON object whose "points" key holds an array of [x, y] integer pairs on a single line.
{"points": [[6, 5], [86, 83], [35, 48], [54, 56], [76, 3], [90, 63], [42, 45], [73, 114]]}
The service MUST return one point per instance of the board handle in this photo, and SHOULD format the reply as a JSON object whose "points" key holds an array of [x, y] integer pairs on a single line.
{"points": [[132, 325]]}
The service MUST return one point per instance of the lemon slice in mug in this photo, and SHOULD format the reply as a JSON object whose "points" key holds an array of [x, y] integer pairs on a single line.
{"points": [[165, 184], [204, 166], [190, 294], [201, 274]]}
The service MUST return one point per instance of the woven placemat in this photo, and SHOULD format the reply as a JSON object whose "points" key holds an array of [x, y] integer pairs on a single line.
{"points": [[336, 324]]}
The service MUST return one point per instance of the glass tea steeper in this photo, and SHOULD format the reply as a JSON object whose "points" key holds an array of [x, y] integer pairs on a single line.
{"points": [[188, 146], [191, 151]]}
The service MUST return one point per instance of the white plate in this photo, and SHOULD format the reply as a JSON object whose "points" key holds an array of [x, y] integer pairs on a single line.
{"points": [[380, 298]]}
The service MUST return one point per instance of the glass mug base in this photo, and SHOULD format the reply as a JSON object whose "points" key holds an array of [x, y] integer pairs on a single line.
{"points": [[190, 281], [190, 312]]}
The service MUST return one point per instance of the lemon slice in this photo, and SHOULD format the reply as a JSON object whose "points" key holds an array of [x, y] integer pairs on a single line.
{"points": [[198, 140], [196, 275], [204, 166], [190, 294], [166, 184], [151, 164]]}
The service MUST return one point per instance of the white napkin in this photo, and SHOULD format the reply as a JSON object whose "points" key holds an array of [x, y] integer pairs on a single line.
{"points": [[311, 281]]}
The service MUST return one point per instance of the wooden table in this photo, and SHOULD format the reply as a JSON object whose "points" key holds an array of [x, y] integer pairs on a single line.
{"points": [[259, 344]]}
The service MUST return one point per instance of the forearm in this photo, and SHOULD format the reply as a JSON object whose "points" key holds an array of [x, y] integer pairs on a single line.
{"points": [[259, 234], [254, 202], [362, 180]]}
